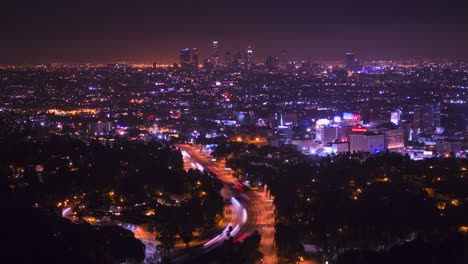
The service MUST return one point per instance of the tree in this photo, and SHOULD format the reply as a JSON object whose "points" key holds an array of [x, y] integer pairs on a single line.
{"points": [[186, 236], [166, 237], [250, 249], [287, 242]]}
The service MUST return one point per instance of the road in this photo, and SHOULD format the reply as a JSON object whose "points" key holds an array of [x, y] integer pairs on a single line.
{"points": [[250, 210], [257, 212]]}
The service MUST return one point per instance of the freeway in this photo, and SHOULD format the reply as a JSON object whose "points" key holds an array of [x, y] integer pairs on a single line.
{"points": [[257, 211], [250, 210]]}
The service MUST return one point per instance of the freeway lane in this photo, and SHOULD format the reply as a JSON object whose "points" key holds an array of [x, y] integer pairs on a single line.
{"points": [[259, 214], [248, 212]]}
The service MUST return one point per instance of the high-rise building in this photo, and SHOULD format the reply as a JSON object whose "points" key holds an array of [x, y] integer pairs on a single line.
{"points": [[227, 59], [331, 133], [436, 111], [426, 118], [249, 57], [195, 60], [281, 134], [237, 59], [208, 65], [351, 63], [269, 63], [215, 53], [361, 140], [184, 57], [366, 142], [284, 60], [395, 139], [272, 63], [306, 65]]}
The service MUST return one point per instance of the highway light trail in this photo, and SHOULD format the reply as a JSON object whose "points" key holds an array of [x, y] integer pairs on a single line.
{"points": [[235, 230], [223, 233], [246, 197], [259, 220], [200, 167], [212, 241], [65, 212], [240, 238], [185, 154], [235, 202], [244, 216]]}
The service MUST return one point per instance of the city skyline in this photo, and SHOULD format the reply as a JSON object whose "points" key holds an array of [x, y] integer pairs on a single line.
{"points": [[113, 31], [234, 132], [260, 56]]}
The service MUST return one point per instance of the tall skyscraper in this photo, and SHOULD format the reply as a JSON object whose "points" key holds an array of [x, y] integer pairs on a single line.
{"points": [[215, 53], [227, 59], [207, 64], [436, 111], [272, 63], [351, 63], [426, 118], [195, 58], [249, 57], [308, 62], [184, 57], [284, 59], [237, 59], [269, 62]]}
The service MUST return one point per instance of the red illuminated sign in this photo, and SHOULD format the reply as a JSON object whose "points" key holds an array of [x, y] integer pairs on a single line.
{"points": [[359, 128], [356, 117]]}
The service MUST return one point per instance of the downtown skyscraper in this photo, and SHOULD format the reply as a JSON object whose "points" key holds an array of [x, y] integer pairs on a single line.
{"points": [[195, 59], [215, 53], [249, 57]]}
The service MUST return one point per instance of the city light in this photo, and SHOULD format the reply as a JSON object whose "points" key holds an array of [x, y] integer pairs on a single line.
{"points": [[299, 133]]}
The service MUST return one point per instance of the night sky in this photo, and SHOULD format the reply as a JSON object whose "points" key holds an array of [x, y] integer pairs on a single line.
{"points": [[147, 31]]}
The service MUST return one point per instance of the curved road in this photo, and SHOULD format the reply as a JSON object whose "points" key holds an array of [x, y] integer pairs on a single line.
{"points": [[249, 211], [257, 212]]}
